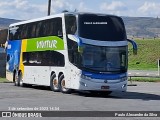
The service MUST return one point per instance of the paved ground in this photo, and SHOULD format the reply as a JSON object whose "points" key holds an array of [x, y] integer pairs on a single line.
{"points": [[143, 97], [143, 73]]}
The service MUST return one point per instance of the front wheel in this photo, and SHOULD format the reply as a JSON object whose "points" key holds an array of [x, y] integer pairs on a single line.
{"points": [[63, 88]]}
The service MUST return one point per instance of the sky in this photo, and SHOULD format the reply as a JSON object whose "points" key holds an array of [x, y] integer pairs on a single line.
{"points": [[29, 9]]}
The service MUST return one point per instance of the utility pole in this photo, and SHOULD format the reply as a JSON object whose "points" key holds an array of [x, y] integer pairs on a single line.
{"points": [[49, 7]]}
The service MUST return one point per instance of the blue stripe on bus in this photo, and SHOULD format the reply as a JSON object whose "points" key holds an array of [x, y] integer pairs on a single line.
{"points": [[104, 76]]}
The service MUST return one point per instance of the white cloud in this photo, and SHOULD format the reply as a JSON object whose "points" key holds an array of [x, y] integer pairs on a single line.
{"points": [[147, 6], [22, 9], [150, 9], [27, 9], [82, 7], [60, 5], [114, 6]]}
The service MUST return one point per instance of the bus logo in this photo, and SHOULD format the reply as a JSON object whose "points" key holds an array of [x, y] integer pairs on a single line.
{"points": [[47, 44], [105, 81]]}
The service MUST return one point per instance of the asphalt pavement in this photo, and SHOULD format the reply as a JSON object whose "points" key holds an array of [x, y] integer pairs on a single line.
{"points": [[143, 97]]}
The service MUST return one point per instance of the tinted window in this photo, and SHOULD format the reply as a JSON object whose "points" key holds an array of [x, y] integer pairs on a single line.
{"points": [[71, 24], [105, 28], [49, 27], [71, 28], [43, 58]]}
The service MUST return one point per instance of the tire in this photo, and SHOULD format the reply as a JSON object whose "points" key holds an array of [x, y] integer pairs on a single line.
{"points": [[63, 89], [54, 85], [20, 82], [15, 79]]}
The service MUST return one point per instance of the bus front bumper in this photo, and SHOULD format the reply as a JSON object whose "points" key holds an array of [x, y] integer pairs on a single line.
{"points": [[103, 85]]}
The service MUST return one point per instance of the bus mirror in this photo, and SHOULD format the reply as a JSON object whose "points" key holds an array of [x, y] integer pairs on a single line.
{"points": [[134, 52], [134, 46]]}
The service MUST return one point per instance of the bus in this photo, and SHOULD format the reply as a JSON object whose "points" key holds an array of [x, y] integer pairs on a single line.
{"points": [[69, 51]]}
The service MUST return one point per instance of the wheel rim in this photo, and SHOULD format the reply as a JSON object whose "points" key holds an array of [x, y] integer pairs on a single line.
{"points": [[63, 85], [55, 84], [20, 79], [15, 80]]}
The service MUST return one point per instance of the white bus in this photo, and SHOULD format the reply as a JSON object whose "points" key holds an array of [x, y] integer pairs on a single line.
{"points": [[81, 51]]}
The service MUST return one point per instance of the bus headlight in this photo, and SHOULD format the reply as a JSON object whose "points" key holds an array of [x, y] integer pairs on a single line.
{"points": [[85, 77]]}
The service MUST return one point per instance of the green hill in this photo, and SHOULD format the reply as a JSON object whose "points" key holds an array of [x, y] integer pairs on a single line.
{"points": [[147, 56]]}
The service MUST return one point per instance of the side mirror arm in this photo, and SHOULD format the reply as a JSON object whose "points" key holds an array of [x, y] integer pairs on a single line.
{"points": [[135, 47]]}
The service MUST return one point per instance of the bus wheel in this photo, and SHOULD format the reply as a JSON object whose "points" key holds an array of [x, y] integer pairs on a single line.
{"points": [[15, 79], [20, 82], [62, 85], [54, 83]]}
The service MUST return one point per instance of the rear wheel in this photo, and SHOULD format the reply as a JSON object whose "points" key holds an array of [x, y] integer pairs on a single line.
{"points": [[63, 88], [54, 83], [20, 82], [15, 79]]}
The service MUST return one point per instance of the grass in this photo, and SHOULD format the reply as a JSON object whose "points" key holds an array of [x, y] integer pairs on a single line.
{"points": [[145, 79], [3, 80], [147, 56]]}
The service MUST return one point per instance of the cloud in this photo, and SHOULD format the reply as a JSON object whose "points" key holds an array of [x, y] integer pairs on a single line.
{"points": [[22, 9], [26, 9], [147, 6], [114, 6], [60, 5], [83, 8], [150, 9]]}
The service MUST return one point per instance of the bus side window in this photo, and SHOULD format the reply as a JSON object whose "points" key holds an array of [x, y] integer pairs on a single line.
{"points": [[29, 30], [38, 30], [71, 26], [10, 36], [33, 30], [56, 28], [24, 32], [59, 27], [16, 35]]}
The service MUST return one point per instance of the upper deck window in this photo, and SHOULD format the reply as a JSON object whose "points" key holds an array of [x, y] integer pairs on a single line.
{"points": [[43, 28]]}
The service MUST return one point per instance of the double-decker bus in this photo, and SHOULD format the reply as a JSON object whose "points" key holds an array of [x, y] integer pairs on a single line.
{"points": [[67, 51]]}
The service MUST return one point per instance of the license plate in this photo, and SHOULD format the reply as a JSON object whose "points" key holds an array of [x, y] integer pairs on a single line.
{"points": [[104, 87]]}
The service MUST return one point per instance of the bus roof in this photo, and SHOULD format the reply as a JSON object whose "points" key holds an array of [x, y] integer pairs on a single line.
{"points": [[56, 15]]}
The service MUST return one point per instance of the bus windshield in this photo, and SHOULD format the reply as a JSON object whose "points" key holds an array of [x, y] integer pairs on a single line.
{"points": [[101, 27], [104, 59]]}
